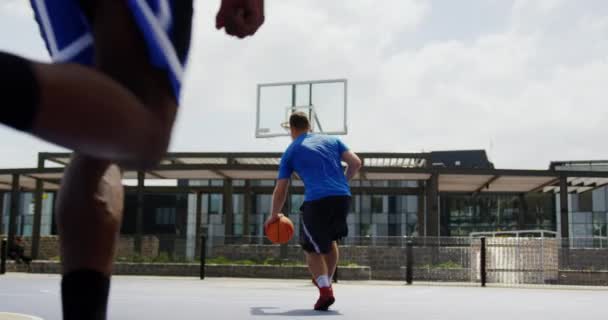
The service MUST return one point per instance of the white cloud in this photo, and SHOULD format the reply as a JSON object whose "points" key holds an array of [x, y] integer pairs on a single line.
{"points": [[532, 87], [15, 7]]}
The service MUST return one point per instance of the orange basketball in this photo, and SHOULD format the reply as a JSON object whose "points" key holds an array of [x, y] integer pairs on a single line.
{"points": [[280, 231]]}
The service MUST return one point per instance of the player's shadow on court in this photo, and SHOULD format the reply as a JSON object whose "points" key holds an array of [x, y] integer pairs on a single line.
{"points": [[261, 311]]}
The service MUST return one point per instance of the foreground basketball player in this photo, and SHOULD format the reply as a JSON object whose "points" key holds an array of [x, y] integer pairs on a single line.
{"points": [[316, 158], [111, 95]]}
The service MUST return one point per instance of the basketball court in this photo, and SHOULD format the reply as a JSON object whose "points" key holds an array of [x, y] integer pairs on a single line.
{"points": [[231, 298]]}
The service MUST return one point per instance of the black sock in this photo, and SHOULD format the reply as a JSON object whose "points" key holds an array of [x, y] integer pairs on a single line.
{"points": [[84, 295]]}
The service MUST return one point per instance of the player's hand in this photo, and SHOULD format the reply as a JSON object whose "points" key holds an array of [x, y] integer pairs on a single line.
{"points": [[240, 18], [273, 218]]}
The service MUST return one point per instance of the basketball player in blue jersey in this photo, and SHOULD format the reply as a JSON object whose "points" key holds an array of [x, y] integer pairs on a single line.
{"points": [[317, 159], [111, 95]]}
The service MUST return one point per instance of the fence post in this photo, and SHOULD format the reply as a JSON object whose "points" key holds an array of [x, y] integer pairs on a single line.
{"points": [[409, 263], [483, 261], [3, 254], [203, 256]]}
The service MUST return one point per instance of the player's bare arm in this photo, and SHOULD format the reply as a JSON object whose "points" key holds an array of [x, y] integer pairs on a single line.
{"points": [[353, 162], [279, 196]]}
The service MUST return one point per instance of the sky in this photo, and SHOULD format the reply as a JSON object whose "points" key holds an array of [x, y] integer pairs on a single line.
{"points": [[524, 80]]}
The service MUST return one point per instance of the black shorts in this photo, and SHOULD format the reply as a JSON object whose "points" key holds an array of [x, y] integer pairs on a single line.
{"points": [[322, 222]]}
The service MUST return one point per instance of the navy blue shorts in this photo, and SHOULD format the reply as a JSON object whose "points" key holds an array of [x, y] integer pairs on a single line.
{"points": [[165, 25], [322, 222]]}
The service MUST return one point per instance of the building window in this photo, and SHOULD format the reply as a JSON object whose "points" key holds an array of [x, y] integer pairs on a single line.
{"points": [[377, 204], [215, 203], [262, 183], [217, 183], [165, 216], [198, 183]]}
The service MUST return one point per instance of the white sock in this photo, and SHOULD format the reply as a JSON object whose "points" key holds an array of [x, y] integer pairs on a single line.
{"points": [[323, 281]]}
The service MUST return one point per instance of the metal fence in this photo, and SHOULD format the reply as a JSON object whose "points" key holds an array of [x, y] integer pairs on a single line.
{"points": [[499, 259]]}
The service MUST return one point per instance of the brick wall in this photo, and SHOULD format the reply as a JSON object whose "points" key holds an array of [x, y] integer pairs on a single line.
{"points": [[385, 262], [583, 259], [586, 278], [49, 246], [193, 270]]}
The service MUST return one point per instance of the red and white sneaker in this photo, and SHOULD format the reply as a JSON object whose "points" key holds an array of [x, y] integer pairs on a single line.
{"points": [[326, 299]]}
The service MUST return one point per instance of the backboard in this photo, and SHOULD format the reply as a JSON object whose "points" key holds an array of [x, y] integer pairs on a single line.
{"points": [[324, 101]]}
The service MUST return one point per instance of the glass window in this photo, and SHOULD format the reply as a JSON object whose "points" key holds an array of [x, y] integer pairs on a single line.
{"points": [[599, 224], [411, 184], [392, 204], [238, 203], [165, 216], [377, 204], [263, 202], [198, 182], [366, 202], [462, 214], [365, 230], [394, 229], [585, 201], [599, 199], [215, 203], [379, 183], [581, 217], [355, 205], [262, 183], [217, 183], [412, 203], [411, 223]]}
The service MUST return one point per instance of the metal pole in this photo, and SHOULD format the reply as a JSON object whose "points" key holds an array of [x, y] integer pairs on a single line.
{"points": [[203, 256], [14, 209], [228, 207], [483, 262], [37, 219], [139, 212], [198, 219], [1, 212], [3, 254], [409, 263], [563, 205], [310, 94], [293, 98]]}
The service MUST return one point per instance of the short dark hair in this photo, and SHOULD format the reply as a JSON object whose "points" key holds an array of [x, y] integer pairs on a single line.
{"points": [[299, 121]]}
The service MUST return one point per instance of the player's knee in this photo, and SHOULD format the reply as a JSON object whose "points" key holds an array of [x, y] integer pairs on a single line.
{"points": [[93, 188], [109, 196]]}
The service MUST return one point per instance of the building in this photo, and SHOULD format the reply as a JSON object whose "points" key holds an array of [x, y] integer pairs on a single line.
{"points": [[445, 193]]}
